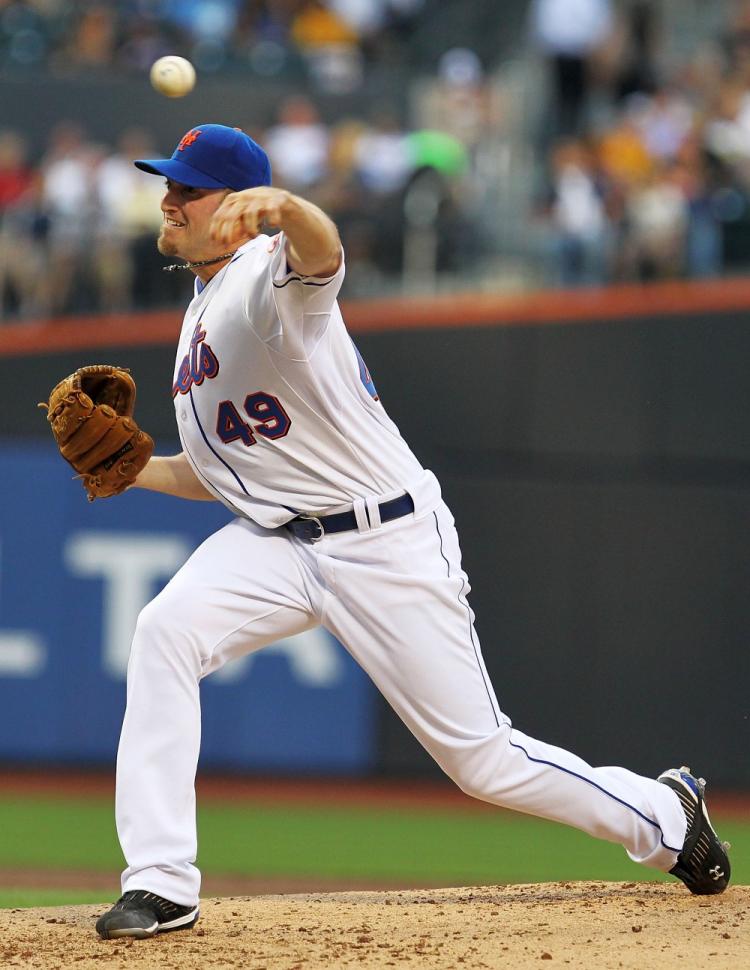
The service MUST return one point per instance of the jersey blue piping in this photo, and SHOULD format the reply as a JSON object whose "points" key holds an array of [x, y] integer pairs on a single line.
{"points": [[296, 279], [212, 449], [471, 628]]}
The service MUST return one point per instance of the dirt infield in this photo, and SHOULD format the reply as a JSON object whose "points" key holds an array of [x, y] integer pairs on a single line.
{"points": [[585, 925]]}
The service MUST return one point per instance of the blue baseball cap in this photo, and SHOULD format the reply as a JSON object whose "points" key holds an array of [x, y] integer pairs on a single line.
{"points": [[213, 157]]}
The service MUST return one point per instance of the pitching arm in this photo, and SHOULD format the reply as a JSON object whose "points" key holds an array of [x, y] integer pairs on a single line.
{"points": [[313, 247]]}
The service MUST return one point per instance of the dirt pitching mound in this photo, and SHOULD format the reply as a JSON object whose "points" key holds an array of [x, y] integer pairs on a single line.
{"points": [[595, 925]]}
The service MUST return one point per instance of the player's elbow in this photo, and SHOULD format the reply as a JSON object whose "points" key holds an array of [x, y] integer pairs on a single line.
{"points": [[322, 263]]}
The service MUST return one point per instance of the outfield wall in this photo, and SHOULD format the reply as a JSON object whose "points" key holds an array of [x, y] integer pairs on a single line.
{"points": [[594, 449]]}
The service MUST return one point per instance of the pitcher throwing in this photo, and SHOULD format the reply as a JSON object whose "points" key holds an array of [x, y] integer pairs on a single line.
{"points": [[336, 523]]}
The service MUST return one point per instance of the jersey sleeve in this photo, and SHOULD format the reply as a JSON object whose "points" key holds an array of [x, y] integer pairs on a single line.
{"points": [[303, 304]]}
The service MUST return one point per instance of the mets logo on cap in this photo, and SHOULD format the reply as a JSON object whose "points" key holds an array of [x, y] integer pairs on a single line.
{"points": [[188, 139]]}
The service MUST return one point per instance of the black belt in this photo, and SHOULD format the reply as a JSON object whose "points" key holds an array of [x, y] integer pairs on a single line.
{"points": [[314, 527]]}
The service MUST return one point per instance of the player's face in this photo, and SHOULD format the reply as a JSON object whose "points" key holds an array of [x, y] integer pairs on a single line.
{"points": [[187, 215]]}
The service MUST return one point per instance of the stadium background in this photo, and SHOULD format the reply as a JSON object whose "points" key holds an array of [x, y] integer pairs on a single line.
{"points": [[591, 440]]}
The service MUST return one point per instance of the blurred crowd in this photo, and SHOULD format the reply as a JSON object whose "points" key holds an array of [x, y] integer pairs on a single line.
{"points": [[647, 172], [636, 168], [335, 39], [78, 226]]}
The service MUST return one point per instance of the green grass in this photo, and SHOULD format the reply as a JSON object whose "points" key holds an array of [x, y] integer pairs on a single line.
{"points": [[442, 847], [26, 898]]}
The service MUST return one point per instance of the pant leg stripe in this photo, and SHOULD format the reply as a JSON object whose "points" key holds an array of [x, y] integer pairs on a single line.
{"points": [[551, 764], [440, 536], [465, 604]]}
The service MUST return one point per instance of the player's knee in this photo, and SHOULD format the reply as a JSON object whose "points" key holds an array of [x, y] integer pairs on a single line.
{"points": [[479, 770], [152, 621], [161, 635], [469, 784], [475, 788]]}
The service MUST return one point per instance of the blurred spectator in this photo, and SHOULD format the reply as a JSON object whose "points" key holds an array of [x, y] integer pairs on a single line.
{"points": [[264, 20], [458, 101], [207, 25], [569, 33], [145, 41], [700, 77], [330, 45], [298, 145], [212, 20], [22, 231], [129, 210], [342, 196], [700, 181], [381, 26], [92, 41], [578, 217], [437, 150], [737, 40], [468, 108], [383, 160], [365, 17], [623, 155], [383, 163], [664, 120], [434, 236], [657, 220], [261, 37], [15, 172], [66, 170], [727, 133], [636, 71], [318, 26], [341, 189]]}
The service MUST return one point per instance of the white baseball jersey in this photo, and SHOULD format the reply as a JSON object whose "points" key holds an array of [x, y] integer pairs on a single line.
{"points": [[276, 410]]}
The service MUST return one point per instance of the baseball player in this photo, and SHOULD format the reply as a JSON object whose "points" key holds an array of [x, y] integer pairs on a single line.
{"points": [[336, 523]]}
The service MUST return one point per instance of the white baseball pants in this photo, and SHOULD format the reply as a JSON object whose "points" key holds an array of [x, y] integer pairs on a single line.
{"points": [[395, 596]]}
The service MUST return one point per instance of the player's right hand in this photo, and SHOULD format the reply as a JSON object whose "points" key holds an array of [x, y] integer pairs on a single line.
{"points": [[242, 214]]}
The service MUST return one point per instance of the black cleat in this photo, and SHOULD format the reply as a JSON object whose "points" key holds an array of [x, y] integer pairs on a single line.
{"points": [[703, 864], [142, 914]]}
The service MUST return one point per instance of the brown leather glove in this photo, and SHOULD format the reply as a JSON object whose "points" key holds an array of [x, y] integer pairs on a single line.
{"points": [[91, 416]]}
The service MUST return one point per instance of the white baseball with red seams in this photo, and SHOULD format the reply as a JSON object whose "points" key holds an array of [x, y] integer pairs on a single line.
{"points": [[278, 415]]}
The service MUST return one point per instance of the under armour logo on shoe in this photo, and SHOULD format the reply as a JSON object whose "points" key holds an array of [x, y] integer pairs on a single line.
{"points": [[188, 139], [716, 873]]}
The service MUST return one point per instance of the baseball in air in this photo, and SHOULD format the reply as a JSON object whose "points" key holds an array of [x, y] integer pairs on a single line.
{"points": [[173, 76]]}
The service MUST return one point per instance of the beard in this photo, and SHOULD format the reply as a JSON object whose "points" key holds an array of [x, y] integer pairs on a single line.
{"points": [[167, 247]]}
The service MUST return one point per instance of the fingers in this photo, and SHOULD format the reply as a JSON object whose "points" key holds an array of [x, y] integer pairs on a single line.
{"points": [[242, 214], [230, 229], [230, 224], [251, 220]]}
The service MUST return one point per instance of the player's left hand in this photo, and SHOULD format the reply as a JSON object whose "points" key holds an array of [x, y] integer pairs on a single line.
{"points": [[242, 214], [91, 416]]}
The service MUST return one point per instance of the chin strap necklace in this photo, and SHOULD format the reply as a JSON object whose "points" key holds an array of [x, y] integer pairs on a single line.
{"points": [[202, 262]]}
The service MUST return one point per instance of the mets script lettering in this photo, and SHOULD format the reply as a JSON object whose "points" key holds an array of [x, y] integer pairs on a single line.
{"points": [[199, 364]]}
